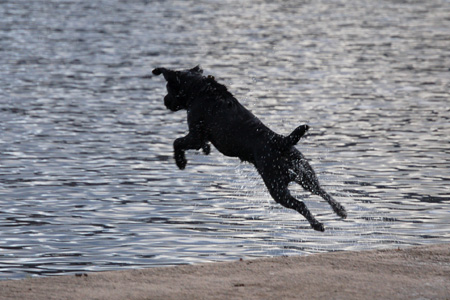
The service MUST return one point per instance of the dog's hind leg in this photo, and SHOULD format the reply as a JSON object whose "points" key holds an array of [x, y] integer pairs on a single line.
{"points": [[336, 206], [282, 196], [311, 184], [309, 181], [277, 182], [302, 173]]}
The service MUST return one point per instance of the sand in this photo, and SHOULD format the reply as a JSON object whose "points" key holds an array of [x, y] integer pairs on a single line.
{"points": [[408, 273]]}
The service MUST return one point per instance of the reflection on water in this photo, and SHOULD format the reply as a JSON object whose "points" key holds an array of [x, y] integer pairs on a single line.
{"points": [[87, 179]]}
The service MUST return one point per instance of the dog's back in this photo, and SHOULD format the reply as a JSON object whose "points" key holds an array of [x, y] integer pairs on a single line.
{"points": [[232, 128]]}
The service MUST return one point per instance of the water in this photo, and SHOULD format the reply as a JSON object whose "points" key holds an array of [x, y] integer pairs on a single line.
{"points": [[87, 179]]}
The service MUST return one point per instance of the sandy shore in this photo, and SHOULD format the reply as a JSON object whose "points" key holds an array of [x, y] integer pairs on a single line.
{"points": [[410, 273]]}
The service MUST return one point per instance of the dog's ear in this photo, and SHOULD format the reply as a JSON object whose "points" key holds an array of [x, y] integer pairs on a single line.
{"points": [[158, 71], [197, 69], [167, 73]]}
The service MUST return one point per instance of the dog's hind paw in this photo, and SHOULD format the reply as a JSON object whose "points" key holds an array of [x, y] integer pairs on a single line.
{"points": [[318, 226], [340, 211]]}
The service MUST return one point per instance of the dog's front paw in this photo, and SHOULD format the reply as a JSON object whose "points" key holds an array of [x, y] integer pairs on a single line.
{"points": [[180, 159], [206, 148]]}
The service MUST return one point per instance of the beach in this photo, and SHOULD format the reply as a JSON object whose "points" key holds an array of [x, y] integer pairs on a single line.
{"points": [[421, 272]]}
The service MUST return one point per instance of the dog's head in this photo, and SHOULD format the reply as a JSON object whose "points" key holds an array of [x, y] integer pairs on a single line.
{"points": [[178, 85]]}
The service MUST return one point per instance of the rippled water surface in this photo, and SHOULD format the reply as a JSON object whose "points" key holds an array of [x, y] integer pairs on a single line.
{"points": [[87, 178]]}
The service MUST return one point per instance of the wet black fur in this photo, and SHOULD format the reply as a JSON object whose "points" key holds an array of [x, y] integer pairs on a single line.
{"points": [[215, 116]]}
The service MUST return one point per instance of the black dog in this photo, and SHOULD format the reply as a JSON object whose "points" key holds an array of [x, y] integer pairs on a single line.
{"points": [[215, 116]]}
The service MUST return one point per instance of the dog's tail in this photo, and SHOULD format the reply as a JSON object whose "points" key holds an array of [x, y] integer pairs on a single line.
{"points": [[294, 137]]}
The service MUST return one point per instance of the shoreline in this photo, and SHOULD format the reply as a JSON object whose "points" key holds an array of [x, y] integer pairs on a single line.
{"points": [[421, 272]]}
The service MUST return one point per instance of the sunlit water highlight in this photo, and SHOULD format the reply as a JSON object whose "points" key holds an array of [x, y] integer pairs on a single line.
{"points": [[87, 179]]}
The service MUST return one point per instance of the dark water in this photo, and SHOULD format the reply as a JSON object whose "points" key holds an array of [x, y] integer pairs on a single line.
{"points": [[87, 179]]}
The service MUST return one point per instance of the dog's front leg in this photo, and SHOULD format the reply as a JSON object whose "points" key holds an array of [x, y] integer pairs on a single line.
{"points": [[190, 141]]}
